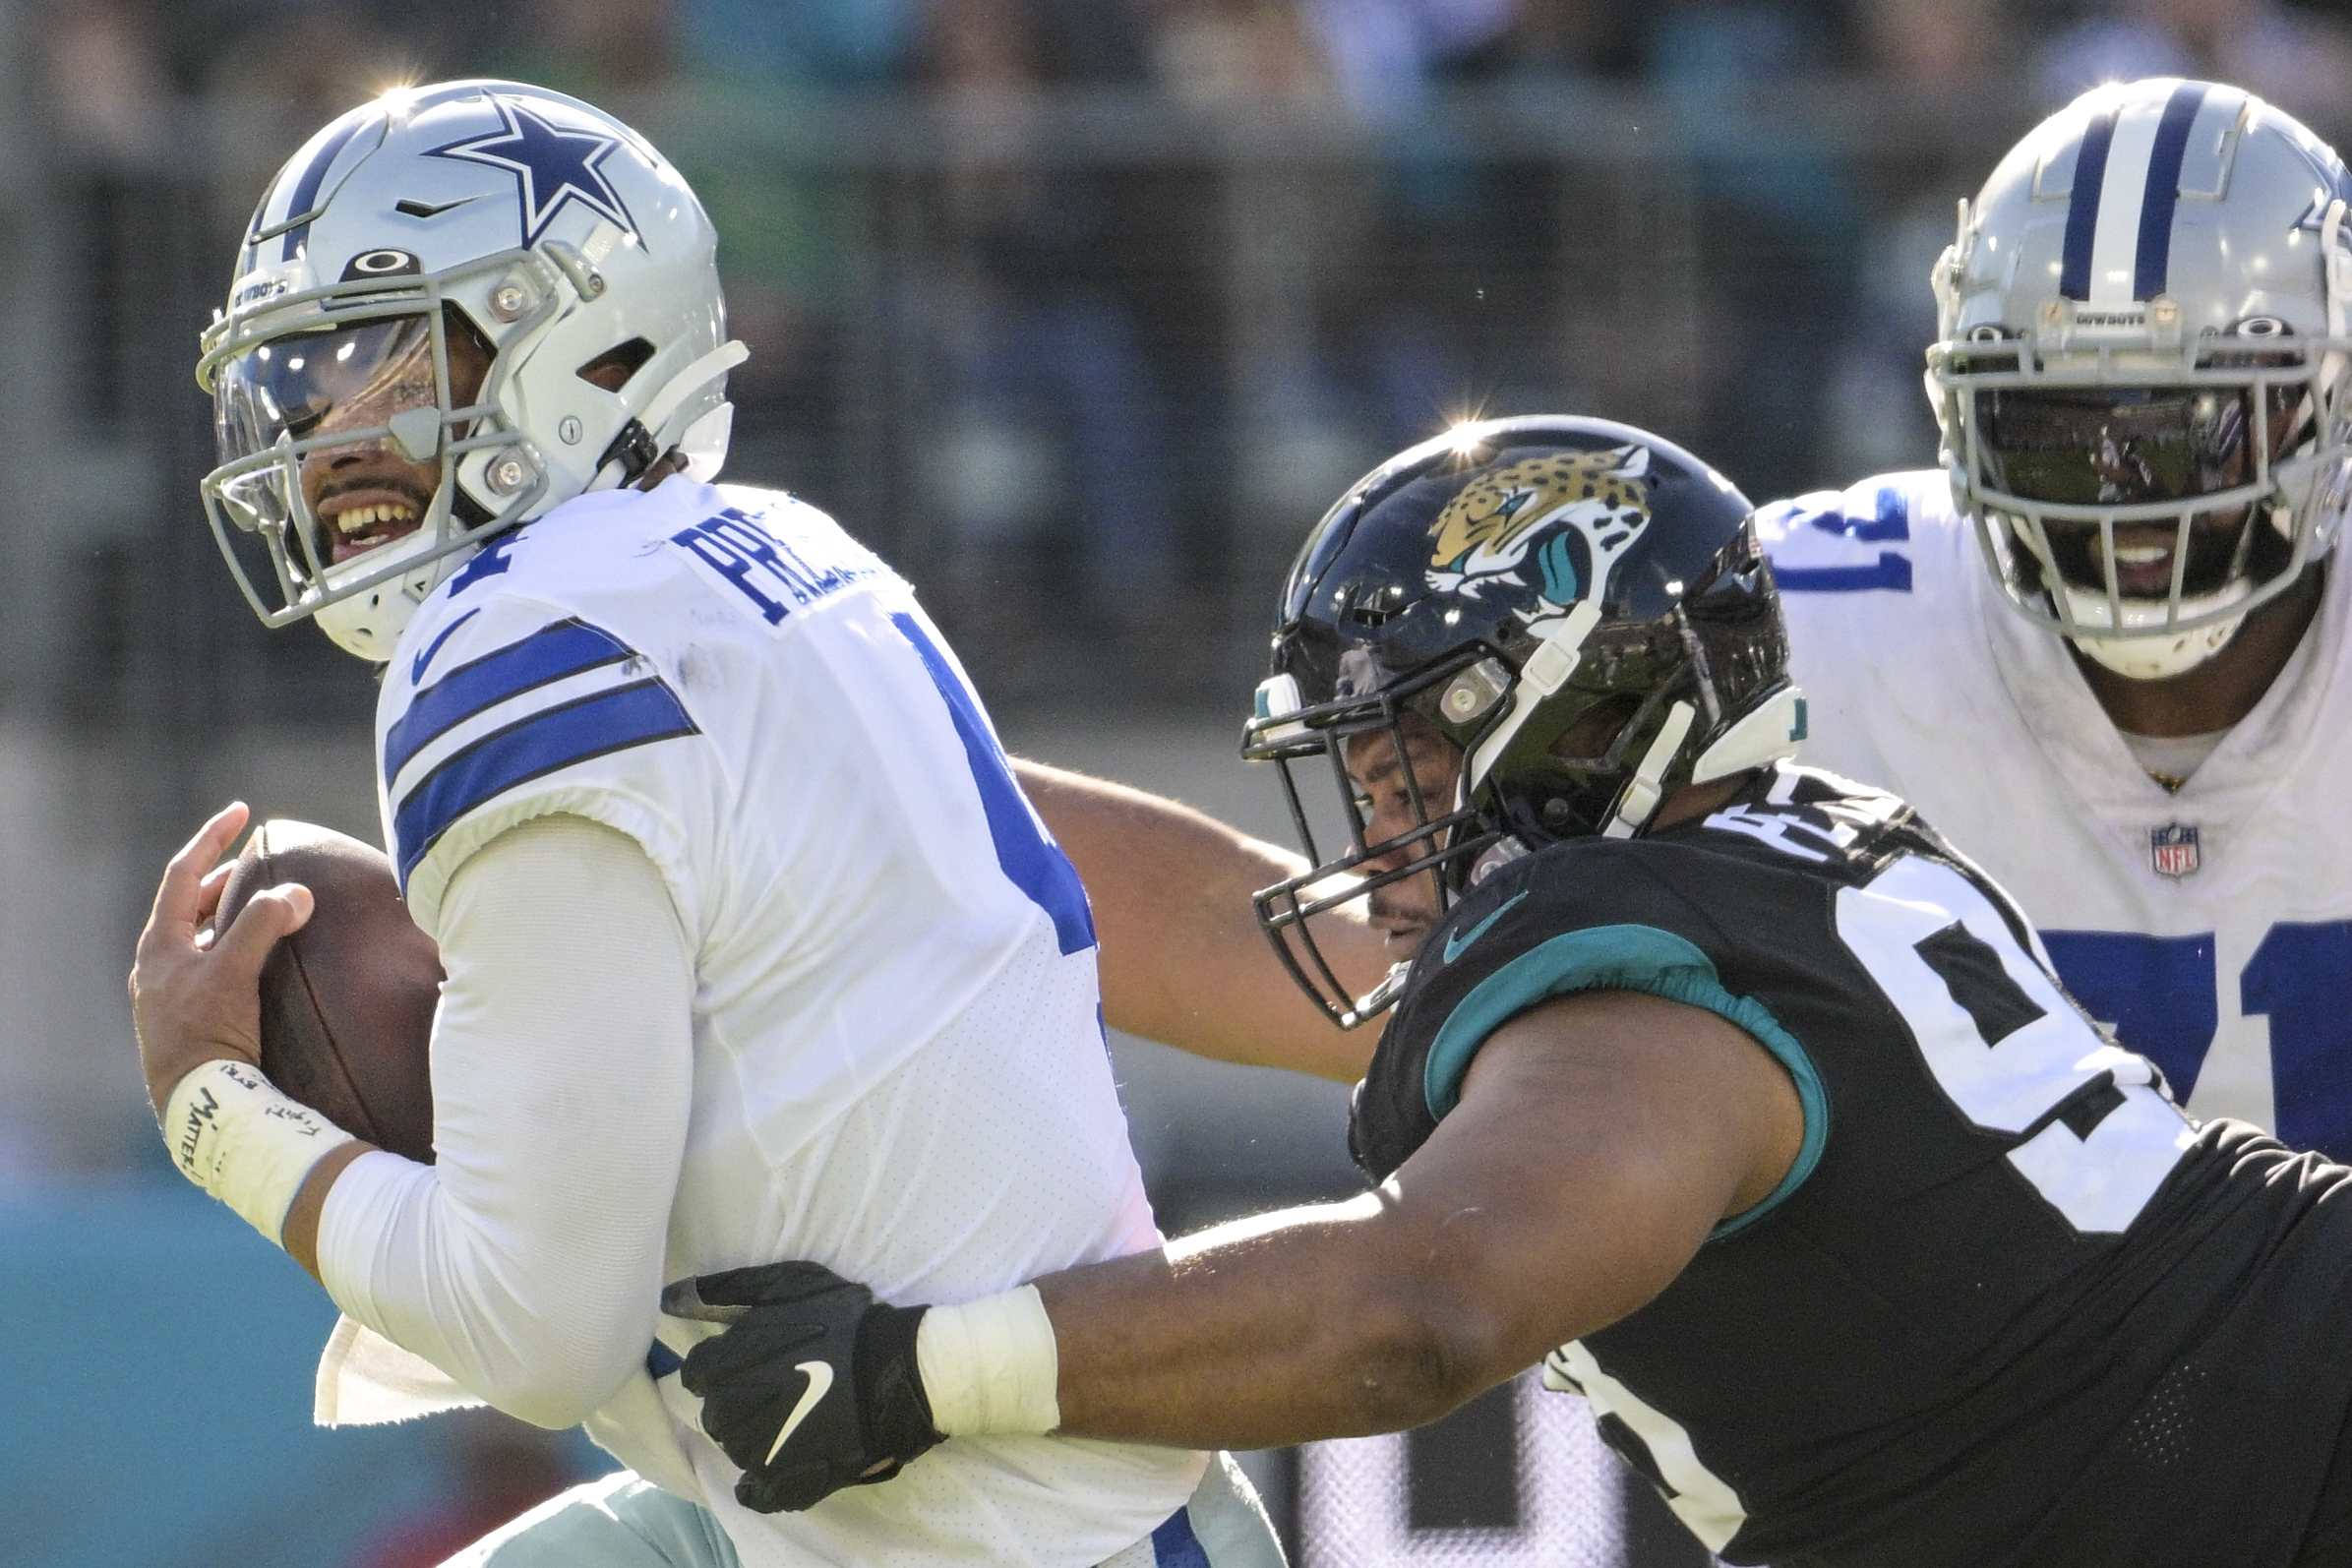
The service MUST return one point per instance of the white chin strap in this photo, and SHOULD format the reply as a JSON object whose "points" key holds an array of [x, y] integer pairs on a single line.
{"points": [[368, 625], [2144, 650], [1643, 794]]}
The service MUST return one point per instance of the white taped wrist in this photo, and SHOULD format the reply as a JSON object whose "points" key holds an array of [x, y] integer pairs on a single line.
{"points": [[990, 1365], [233, 1134]]}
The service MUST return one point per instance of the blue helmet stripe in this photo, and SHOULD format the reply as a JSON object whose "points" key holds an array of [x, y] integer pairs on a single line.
{"points": [[2083, 206], [306, 189], [2154, 259]]}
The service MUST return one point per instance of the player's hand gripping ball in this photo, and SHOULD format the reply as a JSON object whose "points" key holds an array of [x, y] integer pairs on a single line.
{"points": [[348, 1001], [812, 1388]]}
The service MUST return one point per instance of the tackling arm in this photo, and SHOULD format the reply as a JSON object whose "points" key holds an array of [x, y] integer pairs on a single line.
{"points": [[1599, 1140], [1183, 959]]}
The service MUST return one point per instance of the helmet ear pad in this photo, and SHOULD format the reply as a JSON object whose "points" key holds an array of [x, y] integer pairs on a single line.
{"points": [[1562, 774]]}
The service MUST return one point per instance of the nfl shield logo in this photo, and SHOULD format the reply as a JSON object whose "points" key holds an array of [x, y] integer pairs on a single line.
{"points": [[2172, 847]]}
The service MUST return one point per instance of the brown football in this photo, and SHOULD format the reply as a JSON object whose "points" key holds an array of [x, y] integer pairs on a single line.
{"points": [[348, 1001]]}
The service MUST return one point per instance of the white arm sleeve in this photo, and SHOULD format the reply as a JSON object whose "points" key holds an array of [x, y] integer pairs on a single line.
{"points": [[527, 1263]]}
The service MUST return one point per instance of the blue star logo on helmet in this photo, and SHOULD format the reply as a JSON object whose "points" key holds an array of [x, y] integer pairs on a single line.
{"points": [[551, 165]]}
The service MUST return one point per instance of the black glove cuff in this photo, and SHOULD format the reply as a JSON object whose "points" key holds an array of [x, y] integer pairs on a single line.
{"points": [[886, 1370]]}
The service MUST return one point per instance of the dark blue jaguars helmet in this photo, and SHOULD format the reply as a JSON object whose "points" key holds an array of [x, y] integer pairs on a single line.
{"points": [[1578, 606]]}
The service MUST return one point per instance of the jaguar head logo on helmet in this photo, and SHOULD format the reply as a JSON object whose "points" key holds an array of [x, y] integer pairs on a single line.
{"points": [[455, 308], [1473, 716], [2141, 372], [1488, 530]]}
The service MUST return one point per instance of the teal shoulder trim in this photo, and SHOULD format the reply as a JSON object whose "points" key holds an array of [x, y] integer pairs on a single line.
{"points": [[1625, 958]]}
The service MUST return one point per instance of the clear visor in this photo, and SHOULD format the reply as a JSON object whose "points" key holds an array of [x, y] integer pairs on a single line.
{"points": [[333, 440], [344, 379]]}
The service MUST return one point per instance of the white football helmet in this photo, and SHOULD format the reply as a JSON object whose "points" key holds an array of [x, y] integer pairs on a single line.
{"points": [[2141, 372], [455, 308]]}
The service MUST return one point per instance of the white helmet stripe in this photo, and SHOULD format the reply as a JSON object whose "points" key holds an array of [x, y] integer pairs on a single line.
{"points": [[2115, 245], [2126, 182]]}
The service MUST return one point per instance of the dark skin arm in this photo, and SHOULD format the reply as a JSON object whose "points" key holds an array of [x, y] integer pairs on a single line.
{"points": [[1182, 958], [1599, 1138]]}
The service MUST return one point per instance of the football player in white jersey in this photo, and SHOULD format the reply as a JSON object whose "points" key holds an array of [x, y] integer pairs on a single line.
{"points": [[754, 950], [2138, 719]]}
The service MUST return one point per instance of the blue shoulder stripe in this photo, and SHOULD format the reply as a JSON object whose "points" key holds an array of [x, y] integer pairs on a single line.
{"points": [[553, 738], [550, 653], [1640, 958]]}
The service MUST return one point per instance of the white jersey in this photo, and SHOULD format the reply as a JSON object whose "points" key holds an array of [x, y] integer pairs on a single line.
{"points": [[898, 1063], [2213, 926]]}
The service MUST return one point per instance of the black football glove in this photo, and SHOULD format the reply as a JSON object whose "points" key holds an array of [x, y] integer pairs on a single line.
{"points": [[812, 1388]]}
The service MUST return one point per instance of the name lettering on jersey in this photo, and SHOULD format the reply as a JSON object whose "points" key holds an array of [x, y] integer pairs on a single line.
{"points": [[488, 562], [764, 569], [1812, 830]]}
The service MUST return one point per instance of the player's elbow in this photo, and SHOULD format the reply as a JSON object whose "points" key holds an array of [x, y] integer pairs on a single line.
{"points": [[1424, 1347], [555, 1367], [557, 1393]]}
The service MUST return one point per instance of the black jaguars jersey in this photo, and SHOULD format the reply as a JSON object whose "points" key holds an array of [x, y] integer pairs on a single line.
{"points": [[2009, 1306]]}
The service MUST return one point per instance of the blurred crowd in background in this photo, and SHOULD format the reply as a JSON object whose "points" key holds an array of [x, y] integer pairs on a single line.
{"points": [[1080, 310], [1016, 320]]}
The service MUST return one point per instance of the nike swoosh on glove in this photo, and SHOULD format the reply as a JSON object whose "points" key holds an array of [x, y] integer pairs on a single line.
{"points": [[814, 1385]]}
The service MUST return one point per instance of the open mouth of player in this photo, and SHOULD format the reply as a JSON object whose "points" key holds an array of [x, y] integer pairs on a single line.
{"points": [[2143, 566], [2144, 556], [356, 522]]}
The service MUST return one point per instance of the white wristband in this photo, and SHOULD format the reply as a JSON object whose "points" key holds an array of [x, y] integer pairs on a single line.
{"points": [[990, 1365], [233, 1134]]}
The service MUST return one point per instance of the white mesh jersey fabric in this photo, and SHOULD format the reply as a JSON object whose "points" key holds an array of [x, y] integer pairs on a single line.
{"points": [[2211, 924], [897, 1065]]}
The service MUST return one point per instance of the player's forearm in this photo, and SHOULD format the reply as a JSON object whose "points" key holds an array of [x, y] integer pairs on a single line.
{"points": [[1183, 959], [1599, 1139], [1333, 1321], [527, 1261]]}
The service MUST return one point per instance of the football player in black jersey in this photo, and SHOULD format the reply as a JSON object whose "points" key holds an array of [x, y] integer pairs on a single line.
{"points": [[1725, 1089]]}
